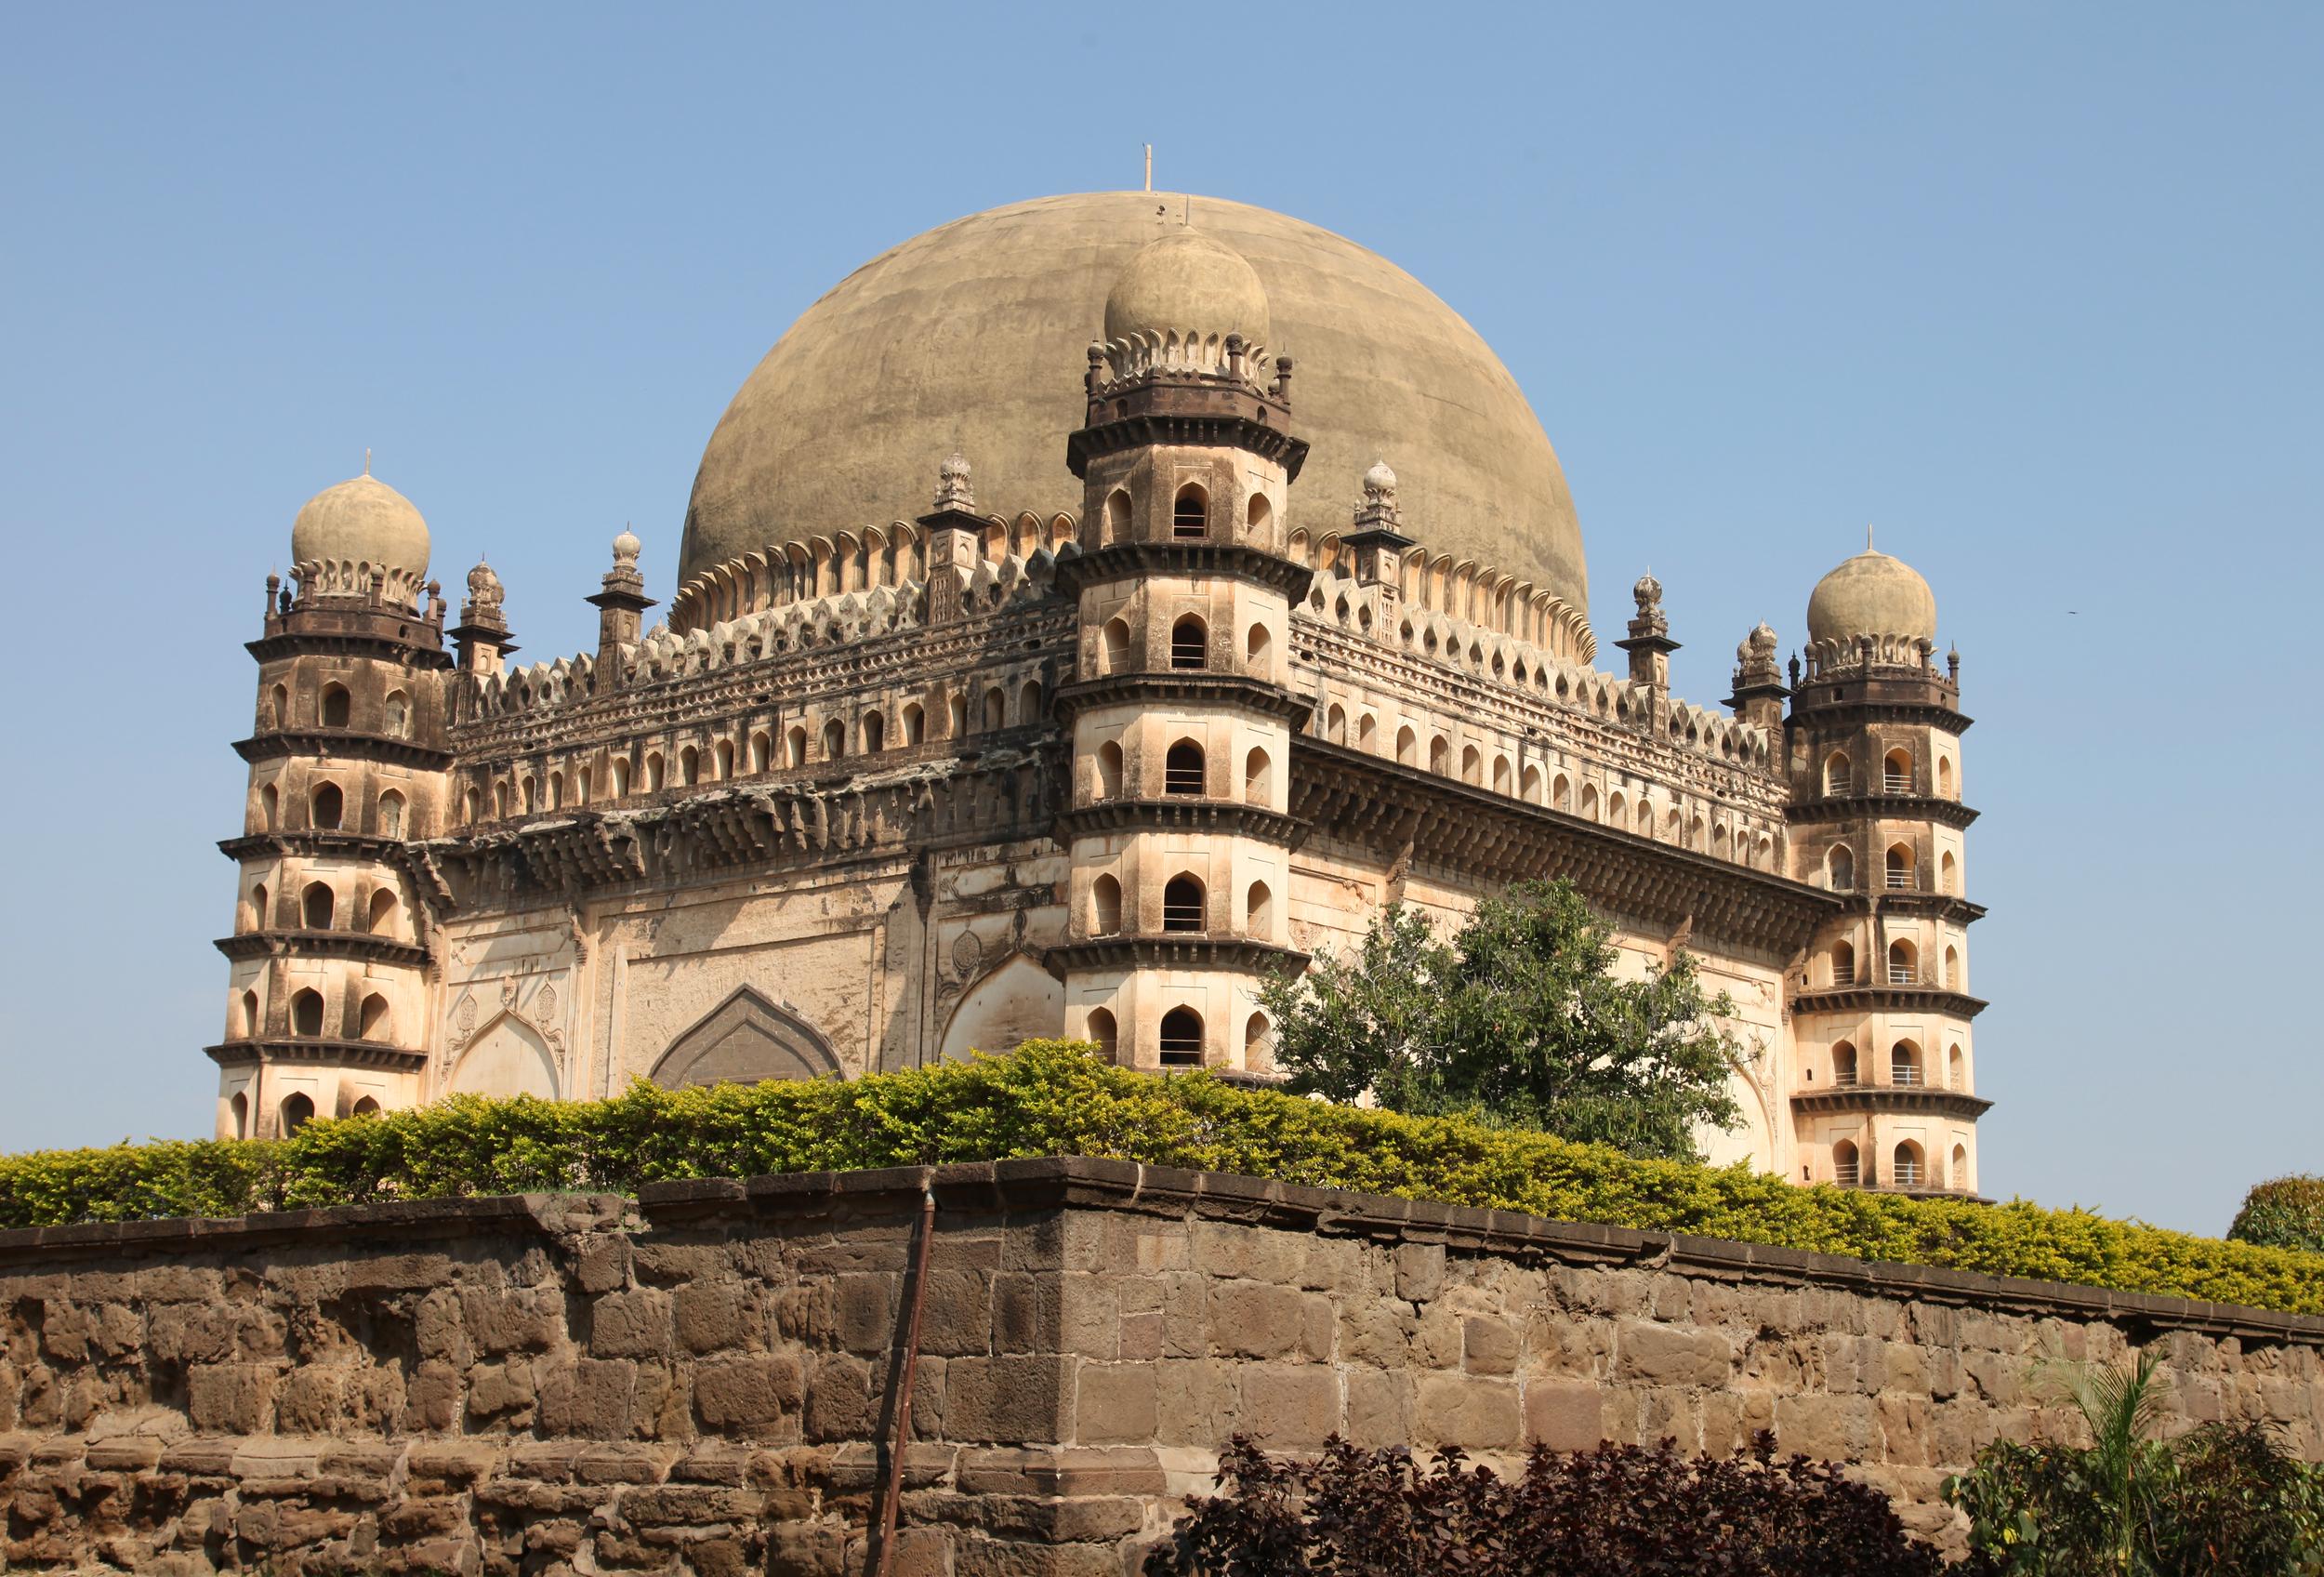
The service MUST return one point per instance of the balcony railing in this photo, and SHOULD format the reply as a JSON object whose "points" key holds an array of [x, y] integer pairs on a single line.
{"points": [[1897, 783], [1904, 1073], [1898, 881], [1846, 1174], [1182, 917], [1908, 1175], [1903, 975]]}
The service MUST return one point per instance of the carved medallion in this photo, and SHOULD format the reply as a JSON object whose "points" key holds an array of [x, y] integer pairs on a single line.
{"points": [[967, 952]]}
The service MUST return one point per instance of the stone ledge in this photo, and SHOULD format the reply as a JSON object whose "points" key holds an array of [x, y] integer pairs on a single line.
{"points": [[1086, 1183]]}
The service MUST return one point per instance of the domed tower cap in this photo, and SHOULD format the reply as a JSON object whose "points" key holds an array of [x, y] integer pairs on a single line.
{"points": [[1872, 594], [1184, 282]]}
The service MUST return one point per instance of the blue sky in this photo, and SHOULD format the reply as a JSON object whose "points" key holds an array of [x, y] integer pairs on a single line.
{"points": [[2033, 288]]}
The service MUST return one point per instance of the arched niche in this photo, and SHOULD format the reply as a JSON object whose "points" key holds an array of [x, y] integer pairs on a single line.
{"points": [[508, 1058], [1017, 1002], [746, 1040]]}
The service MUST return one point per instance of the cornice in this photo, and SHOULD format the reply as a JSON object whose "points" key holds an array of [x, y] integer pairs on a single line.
{"points": [[1209, 429], [1175, 950], [1933, 906], [1887, 999], [311, 1049], [1404, 812], [1182, 813], [1184, 687], [312, 842], [1880, 807], [347, 743], [275, 943], [1141, 561], [426, 651], [1881, 1098]]}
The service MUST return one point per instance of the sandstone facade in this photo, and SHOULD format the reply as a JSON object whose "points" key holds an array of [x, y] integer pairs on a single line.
{"points": [[697, 1381]]}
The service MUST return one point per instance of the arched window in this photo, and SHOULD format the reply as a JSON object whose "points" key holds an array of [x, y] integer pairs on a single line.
{"points": [[270, 807], [1908, 1169], [1029, 703], [1258, 912], [1645, 819], [307, 1012], [1408, 748], [762, 752], [1844, 964], [1113, 647], [282, 707], [1183, 904], [1257, 514], [1896, 773], [1959, 1178], [1368, 732], [1440, 756], [375, 1019], [619, 769], [874, 729], [1589, 801], [258, 909], [795, 746], [468, 807], [915, 726], [1257, 788], [367, 1107], [1190, 516], [500, 798], [1105, 906], [1181, 1038], [1618, 810], [1904, 1063], [1100, 1027], [834, 740], [996, 709], [1843, 1064], [1836, 777], [530, 796], [315, 906], [956, 716], [556, 790], [1502, 784], [248, 1028], [1336, 725], [1258, 654], [1843, 1165], [1841, 865], [1259, 1044], [688, 766], [1947, 873], [1117, 527], [1956, 1069], [1904, 961], [1899, 866], [336, 706], [327, 807], [1561, 793], [1109, 765], [1182, 769], [1952, 968], [653, 771], [1472, 765], [295, 1113], [722, 761], [396, 714], [383, 907], [1944, 778], [1190, 643], [240, 1106], [581, 784]]}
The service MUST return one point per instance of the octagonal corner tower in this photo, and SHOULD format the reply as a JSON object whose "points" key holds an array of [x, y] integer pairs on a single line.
{"points": [[972, 337]]}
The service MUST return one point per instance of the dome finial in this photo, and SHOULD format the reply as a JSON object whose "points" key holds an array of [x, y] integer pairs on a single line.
{"points": [[627, 547], [1867, 536], [367, 459], [953, 491]]}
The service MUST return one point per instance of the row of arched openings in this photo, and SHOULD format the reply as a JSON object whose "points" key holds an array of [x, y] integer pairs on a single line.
{"points": [[1190, 647], [291, 1114], [1189, 515], [318, 909], [1903, 969], [1906, 1066], [1908, 1167], [326, 809], [1185, 906], [1181, 1038], [1897, 867], [1897, 774], [1185, 771], [334, 708], [374, 1020]]}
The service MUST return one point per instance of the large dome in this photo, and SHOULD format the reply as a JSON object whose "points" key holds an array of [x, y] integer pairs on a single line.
{"points": [[974, 336]]}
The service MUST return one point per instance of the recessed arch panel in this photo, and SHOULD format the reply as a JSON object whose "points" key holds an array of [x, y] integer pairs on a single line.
{"points": [[745, 1040]]}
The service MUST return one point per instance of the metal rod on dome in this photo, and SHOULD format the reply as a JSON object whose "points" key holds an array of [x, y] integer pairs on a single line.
{"points": [[1149, 166]]}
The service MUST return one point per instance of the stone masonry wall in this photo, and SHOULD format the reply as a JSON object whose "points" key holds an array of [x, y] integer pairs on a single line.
{"points": [[696, 1382]]}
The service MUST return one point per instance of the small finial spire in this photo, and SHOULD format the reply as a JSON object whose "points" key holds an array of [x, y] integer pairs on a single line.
{"points": [[1867, 536], [1149, 166], [367, 459]]}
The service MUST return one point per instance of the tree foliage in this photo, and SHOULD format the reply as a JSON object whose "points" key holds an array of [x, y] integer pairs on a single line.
{"points": [[2225, 1499], [1060, 1097], [2287, 1213], [1517, 1017], [1619, 1511]]}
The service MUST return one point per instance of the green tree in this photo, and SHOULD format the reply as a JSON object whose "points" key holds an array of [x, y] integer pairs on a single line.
{"points": [[2287, 1213], [1517, 1017]]}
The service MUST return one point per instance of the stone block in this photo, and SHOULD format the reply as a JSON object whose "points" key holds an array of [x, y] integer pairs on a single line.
{"points": [[1200, 1400], [1287, 1405], [602, 1264], [308, 1401], [1255, 1318], [634, 1324], [747, 1393], [231, 1399], [1669, 1355], [594, 1398], [711, 1316], [1564, 1416], [1378, 1405], [1470, 1412], [1420, 1271], [1834, 1428], [1009, 1398], [957, 1313], [1116, 1404], [866, 1311], [1488, 1345], [500, 1387], [1141, 1336], [527, 1319], [840, 1405]]}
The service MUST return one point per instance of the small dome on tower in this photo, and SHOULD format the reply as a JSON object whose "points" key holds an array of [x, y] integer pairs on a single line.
{"points": [[626, 547], [1182, 282], [1872, 594], [362, 521]]}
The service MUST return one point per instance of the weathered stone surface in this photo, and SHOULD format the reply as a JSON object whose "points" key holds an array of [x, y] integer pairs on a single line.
{"points": [[710, 1393]]}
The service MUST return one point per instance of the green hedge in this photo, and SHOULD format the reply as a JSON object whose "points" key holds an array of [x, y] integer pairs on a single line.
{"points": [[2285, 1214], [1057, 1098]]}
